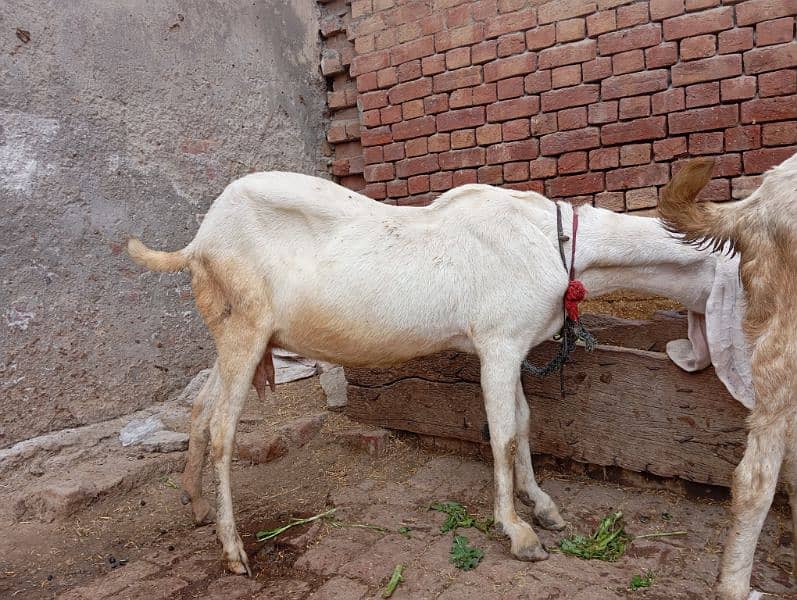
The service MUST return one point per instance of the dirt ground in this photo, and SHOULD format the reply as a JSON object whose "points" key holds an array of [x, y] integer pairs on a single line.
{"points": [[167, 557]]}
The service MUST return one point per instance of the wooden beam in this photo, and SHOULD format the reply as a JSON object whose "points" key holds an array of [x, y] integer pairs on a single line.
{"points": [[623, 406]]}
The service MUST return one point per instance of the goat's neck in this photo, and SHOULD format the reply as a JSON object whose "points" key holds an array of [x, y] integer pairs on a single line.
{"points": [[617, 251]]}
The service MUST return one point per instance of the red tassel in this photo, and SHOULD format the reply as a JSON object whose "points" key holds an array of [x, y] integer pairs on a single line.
{"points": [[575, 293]]}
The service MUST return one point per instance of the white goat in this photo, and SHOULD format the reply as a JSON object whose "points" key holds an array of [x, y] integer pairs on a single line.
{"points": [[301, 263], [763, 229]]}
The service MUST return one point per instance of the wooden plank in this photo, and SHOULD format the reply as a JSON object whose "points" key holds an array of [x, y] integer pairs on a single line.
{"points": [[624, 407], [650, 335]]}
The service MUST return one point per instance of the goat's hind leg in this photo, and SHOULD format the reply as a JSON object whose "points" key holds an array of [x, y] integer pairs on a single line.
{"points": [[197, 449], [790, 476], [527, 489]]}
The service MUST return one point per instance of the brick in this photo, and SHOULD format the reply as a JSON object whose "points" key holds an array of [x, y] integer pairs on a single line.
{"points": [[370, 118], [572, 162], [377, 191], [661, 9], [458, 57], [509, 67], [458, 16], [416, 147], [510, 88], [522, 19], [537, 82], [461, 98], [574, 185], [513, 151], [380, 172], [601, 22], [460, 78], [390, 115], [701, 46], [709, 21], [727, 165], [754, 11], [772, 58], [513, 109], [331, 62], [441, 181], [632, 14], [758, 161], [366, 63], [703, 94], [565, 98], [631, 108], [377, 136], [510, 5], [412, 109], [417, 166], [543, 123], [780, 108], [610, 201], [604, 158], [603, 112], [410, 90], [595, 70], [515, 130], [693, 5], [491, 174], [484, 94], [669, 148], [387, 77], [541, 37], [393, 151], [461, 36], [516, 171], [440, 142], [567, 54], [572, 118], [703, 119], [566, 76], [706, 143], [735, 40], [568, 141], [372, 154], [671, 100], [744, 186], [650, 128], [777, 83], [459, 119], [384, 40], [717, 190], [463, 176], [628, 62], [459, 159], [483, 52], [634, 84], [637, 177], [634, 154], [646, 197], [488, 134], [413, 128], [776, 31], [435, 104], [643, 36], [396, 189], [513, 43], [559, 10], [663, 55], [570, 30], [738, 88], [364, 44], [708, 69], [418, 184], [542, 167], [367, 82], [432, 65], [745, 137]]}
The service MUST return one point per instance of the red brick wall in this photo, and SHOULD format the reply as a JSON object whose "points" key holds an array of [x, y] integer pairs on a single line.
{"points": [[593, 100]]}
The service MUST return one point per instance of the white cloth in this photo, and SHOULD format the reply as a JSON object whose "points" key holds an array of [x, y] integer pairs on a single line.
{"points": [[717, 338]]}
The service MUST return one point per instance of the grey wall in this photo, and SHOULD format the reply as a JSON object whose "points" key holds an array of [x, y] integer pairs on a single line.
{"points": [[124, 117]]}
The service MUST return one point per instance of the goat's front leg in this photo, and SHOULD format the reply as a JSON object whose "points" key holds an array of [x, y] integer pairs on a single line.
{"points": [[197, 448], [545, 511], [499, 379], [754, 483]]}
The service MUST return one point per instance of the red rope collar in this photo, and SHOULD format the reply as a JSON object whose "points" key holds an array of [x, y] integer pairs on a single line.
{"points": [[576, 292]]}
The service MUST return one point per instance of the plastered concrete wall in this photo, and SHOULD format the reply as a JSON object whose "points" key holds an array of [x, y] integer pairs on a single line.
{"points": [[122, 117]]}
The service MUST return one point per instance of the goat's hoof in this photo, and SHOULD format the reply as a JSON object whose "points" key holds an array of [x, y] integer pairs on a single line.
{"points": [[533, 553], [237, 562], [733, 591], [204, 513], [550, 519]]}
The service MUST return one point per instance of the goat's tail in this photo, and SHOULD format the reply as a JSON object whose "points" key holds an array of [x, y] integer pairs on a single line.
{"points": [[701, 223], [155, 260]]}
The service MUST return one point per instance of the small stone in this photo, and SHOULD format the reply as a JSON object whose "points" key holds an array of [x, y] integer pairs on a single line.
{"points": [[373, 441], [165, 441], [335, 386], [191, 391]]}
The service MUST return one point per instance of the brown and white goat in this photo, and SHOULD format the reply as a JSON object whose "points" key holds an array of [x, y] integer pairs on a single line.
{"points": [[301, 263], [763, 230]]}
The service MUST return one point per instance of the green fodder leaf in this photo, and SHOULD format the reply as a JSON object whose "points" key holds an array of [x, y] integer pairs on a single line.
{"points": [[609, 542], [641, 581], [463, 556], [457, 516]]}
